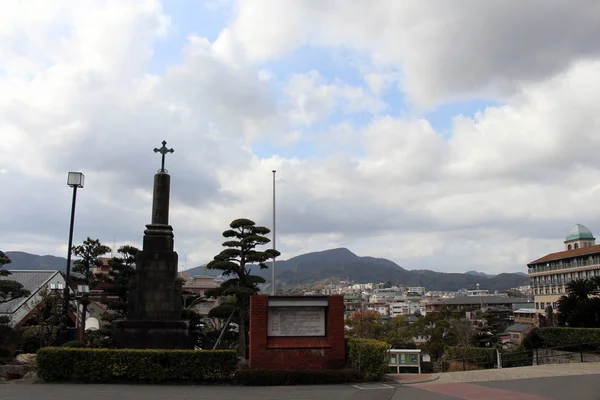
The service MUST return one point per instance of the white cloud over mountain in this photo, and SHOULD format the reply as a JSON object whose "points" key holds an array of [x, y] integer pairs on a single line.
{"points": [[498, 190]]}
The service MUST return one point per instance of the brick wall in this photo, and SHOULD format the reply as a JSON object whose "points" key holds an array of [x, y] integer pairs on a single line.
{"points": [[297, 352]]}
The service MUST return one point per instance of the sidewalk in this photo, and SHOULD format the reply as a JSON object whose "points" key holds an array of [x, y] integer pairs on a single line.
{"points": [[538, 371]]}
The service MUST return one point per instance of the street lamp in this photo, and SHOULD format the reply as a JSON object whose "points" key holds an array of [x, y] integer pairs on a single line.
{"points": [[74, 180]]}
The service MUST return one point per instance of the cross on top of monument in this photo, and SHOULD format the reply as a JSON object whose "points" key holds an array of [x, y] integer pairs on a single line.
{"points": [[163, 150]]}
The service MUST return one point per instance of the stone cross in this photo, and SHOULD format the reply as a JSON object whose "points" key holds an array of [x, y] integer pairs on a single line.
{"points": [[163, 150]]}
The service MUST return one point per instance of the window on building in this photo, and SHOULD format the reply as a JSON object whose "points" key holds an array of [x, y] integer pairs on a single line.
{"points": [[553, 290], [536, 291], [547, 291], [576, 246], [569, 247], [542, 304], [537, 306], [555, 305], [560, 289]]}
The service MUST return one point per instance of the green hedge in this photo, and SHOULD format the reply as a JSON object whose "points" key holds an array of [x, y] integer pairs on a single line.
{"points": [[147, 366], [477, 356], [254, 377], [555, 337], [519, 357], [369, 358]]}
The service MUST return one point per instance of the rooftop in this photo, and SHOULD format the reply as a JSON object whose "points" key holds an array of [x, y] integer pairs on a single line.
{"points": [[582, 251], [579, 232], [31, 280], [479, 299], [519, 328]]}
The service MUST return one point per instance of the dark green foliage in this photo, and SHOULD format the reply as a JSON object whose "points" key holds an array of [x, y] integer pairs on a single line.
{"points": [[240, 252], [476, 356], [9, 290], [74, 344], [252, 377], [555, 337], [369, 358], [532, 340], [88, 254], [519, 357], [5, 356], [141, 366], [579, 308]]}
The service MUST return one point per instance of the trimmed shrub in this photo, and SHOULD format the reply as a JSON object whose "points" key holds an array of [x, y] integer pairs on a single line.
{"points": [[369, 358], [469, 358], [5, 356], [73, 343], [519, 357], [555, 337], [56, 364], [264, 377]]}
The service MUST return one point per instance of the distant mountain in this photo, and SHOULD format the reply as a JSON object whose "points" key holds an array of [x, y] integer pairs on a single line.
{"points": [[25, 261], [477, 273], [342, 264], [334, 264]]}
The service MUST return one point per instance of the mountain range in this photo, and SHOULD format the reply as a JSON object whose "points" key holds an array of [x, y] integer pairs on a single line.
{"points": [[342, 264], [335, 264]]}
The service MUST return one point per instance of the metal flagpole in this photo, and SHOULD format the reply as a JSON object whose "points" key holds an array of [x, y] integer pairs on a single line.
{"points": [[273, 271]]}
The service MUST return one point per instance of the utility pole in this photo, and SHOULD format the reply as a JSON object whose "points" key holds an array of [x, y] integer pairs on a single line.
{"points": [[273, 292]]}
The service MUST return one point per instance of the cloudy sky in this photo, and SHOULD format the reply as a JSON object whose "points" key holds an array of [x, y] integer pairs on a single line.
{"points": [[449, 135]]}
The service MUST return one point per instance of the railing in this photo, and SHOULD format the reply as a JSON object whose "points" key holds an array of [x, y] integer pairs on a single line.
{"points": [[579, 353]]}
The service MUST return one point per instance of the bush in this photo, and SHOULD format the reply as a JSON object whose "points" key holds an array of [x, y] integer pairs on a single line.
{"points": [[55, 364], [74, 344], [555, 337], [519, 357], [470, 357], [5, 356], [369, 358], [263, 377]]}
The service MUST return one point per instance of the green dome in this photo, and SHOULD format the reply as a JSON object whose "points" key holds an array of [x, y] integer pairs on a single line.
{"points": [[579, 232]]}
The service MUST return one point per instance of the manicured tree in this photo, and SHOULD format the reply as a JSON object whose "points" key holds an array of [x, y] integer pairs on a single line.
{"points": [[116, 288], [9, 290], [89, 254], [234, 261]]}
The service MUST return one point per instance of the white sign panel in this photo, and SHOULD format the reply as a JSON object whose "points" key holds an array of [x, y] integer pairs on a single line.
{"points": [[296, 321]]}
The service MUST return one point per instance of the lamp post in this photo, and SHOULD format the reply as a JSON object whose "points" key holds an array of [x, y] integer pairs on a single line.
{"points": [[273, 290], [74, 180]]}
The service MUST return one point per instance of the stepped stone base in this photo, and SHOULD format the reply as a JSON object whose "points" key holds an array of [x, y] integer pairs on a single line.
{"points": [[143, 334]]}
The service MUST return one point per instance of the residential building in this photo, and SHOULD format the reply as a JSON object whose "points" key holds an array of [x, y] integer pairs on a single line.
{"points": [[516, 333], [199, 285], [37, 283], [474, 303], [524, 316], [549, 275]]}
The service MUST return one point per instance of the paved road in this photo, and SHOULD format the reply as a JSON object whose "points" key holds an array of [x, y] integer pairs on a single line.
{"points": [[583, 387]]}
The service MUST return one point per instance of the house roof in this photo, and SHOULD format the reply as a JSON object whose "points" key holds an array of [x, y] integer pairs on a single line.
{"points": [[579, 232], [525, 311], [468, 300], [31, 281], [582, 251], [523, 328]]}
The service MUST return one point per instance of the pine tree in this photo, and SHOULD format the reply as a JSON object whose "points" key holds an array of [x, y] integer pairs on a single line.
{"points": [[240, 253]]}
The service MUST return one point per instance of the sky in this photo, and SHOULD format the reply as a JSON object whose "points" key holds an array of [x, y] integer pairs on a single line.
{"points": [[451, 136]]}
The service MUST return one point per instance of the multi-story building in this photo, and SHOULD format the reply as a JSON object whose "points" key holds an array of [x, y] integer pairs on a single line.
{"points": [[579, 260]]}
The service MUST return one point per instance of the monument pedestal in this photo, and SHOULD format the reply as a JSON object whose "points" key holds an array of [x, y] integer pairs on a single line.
{"points": [[154, 306], [148, 334]]}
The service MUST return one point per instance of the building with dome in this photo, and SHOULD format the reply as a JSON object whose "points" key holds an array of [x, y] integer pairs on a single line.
{"points": [[580, 259]]}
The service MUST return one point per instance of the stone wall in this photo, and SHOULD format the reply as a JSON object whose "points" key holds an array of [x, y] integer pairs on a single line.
{"points": [[545, 356]]}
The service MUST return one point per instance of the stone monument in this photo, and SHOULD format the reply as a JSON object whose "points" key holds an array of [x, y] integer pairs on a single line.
{"points": [[154, 307]]}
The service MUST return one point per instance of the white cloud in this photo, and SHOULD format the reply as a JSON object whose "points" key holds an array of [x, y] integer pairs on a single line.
{"points": [[446, 49], [500, 191]]}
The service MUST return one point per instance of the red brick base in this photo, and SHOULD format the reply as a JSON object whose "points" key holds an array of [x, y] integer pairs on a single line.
{"points": [[297, 352]]}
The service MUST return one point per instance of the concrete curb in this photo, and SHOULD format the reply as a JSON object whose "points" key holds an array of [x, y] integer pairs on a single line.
{"points": [[410, 381]]}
